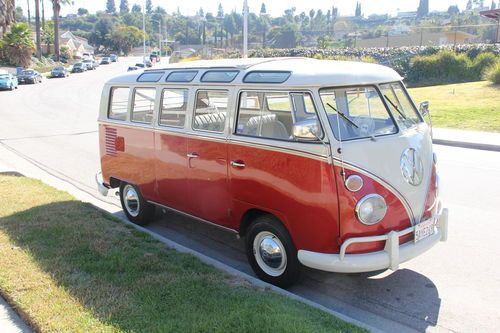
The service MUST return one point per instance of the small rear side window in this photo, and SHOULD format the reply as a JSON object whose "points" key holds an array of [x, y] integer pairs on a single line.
{"points": [[219, 76], [184, 76], [118, 104], [266, 77], [150, 77]]}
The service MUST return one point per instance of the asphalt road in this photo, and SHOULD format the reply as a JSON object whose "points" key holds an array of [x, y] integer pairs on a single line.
{"points": [[453, 287]]}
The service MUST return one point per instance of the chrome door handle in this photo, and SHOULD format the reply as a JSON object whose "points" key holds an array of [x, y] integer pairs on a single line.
{"points": [[238, 164], [192, 155]]}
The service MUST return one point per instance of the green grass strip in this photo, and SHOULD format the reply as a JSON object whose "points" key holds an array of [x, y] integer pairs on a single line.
{"points": [[68, 267]]}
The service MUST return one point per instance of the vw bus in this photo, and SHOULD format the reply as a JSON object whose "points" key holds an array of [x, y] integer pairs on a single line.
{"points": [[325, 164]]}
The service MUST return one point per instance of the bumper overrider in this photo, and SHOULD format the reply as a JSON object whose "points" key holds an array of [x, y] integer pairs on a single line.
{"points": [[391, 256], [103, 188]]}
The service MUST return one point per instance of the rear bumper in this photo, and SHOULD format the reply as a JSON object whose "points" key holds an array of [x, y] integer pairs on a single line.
{"points": [[101, 186], [392, 255]]}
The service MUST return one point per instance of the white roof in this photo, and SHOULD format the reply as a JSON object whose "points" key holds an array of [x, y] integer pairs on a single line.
{"points": [[305, 71]]}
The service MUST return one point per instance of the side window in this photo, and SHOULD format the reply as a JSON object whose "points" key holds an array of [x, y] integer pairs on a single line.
{"points": [[173, 107], [210, 110], [144, 104], [118, 104], [277, 115]]}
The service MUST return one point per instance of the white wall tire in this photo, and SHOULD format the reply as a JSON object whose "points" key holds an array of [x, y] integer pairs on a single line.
{"points": [[137, 210], [271, 252]]}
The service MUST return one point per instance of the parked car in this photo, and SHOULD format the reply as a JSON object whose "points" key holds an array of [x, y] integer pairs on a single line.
{"points": [[148, 63], [8, 81], [79, 68], [334, 170], [154, 56], [132, 68], [59, 72], [113, 57], [89, 63], [95, 63], [140, 65], [105, 61], [29, 76]]}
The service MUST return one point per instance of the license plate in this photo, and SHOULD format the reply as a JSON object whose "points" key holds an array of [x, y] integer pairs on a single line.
{"points": [[424, 229]]}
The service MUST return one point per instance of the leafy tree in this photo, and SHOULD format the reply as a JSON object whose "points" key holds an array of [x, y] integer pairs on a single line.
{"points": [[263, 9], [48, 35], [220, 11], [126, 37], [469, 5], [124, 6], [136, 8], [82, 11], [110, 7], [149, 6], [18, 45], [19, 15], [453, 10], [101, 35]]}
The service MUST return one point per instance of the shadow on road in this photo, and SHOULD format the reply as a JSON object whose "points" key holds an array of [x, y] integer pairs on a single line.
{"points": [[404, 296]]}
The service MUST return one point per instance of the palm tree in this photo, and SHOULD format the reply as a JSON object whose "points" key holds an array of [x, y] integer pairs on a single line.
{"points": [[56, 7], [7, 15], [37, 30]]}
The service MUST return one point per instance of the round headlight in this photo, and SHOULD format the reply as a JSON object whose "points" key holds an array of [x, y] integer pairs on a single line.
{"points": [[371, 209]]}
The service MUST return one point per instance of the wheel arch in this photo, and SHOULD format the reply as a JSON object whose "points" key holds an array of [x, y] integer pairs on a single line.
{"points": [[252, 214]]}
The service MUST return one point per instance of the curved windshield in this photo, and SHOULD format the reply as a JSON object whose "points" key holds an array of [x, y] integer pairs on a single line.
{"points": [[357, 112], [28, 72], [400, 105], [4, 76]]}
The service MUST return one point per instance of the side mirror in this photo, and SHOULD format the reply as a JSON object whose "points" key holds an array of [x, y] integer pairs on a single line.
{"points": [[424, 108], [307, 130]]}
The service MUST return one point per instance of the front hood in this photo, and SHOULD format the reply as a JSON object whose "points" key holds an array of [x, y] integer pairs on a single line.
{"points": [[382, 158]]}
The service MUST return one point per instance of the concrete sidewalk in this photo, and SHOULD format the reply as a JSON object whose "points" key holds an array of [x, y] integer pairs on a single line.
{"points": [[467, 139], [10, 321]]}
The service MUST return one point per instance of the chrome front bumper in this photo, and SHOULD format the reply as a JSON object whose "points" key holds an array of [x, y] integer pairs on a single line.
{"points": [[392, 255]]}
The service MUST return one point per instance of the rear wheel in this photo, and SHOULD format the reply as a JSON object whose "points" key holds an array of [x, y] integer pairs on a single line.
{"points": [[138, 210], [271, 252]]}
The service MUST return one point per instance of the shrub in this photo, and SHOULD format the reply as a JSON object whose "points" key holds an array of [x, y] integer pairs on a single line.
{"points": [[482, 62], [492, 73], [444, 67], [17, 45]]}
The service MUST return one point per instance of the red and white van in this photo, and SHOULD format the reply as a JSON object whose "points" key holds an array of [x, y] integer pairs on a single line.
{"points": [[319, 163]]}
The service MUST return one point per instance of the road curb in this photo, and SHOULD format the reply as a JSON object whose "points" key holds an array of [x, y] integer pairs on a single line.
{"points": [[464, 144]]}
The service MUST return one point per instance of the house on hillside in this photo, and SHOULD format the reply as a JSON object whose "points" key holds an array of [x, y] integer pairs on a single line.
{"points": [[76, 45]]}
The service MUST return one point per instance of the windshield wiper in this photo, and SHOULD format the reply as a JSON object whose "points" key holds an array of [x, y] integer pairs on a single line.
{"points": [[397, 109], [349, 121]]}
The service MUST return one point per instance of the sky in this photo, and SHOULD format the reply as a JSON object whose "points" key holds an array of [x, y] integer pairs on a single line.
{"points": [[274, 7]]}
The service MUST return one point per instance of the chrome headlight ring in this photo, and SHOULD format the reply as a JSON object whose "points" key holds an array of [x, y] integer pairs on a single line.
{"points": [[371, 209]]}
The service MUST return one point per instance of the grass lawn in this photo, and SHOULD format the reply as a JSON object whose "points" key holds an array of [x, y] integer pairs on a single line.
{"points": [[68, 267], [469, 106]]}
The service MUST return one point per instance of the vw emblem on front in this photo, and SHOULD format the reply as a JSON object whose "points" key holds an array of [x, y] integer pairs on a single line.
{"points": [[412, 167]]}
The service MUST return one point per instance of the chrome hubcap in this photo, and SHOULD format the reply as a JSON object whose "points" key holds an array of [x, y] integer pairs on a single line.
{"points": [[269, 253], [131, 200]]}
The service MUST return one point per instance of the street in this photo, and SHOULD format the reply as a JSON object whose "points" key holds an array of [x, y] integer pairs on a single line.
{"points": [[453, 287]]}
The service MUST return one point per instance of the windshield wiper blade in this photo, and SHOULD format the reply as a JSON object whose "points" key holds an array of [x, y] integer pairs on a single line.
{"points": [[397, 109], [349, 121]]}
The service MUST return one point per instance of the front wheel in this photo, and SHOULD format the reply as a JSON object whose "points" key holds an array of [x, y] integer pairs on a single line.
{"points": [[271, 252], [138, 210]]}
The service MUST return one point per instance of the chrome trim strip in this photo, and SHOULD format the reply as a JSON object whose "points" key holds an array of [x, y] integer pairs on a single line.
{"points": [[349, 165], [292, 151], [194, 217], [198, 135]]}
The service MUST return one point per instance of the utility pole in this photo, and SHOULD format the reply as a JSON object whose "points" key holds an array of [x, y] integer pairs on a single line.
{"points": [[159, 37], [245, 28], [29, 14]]}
